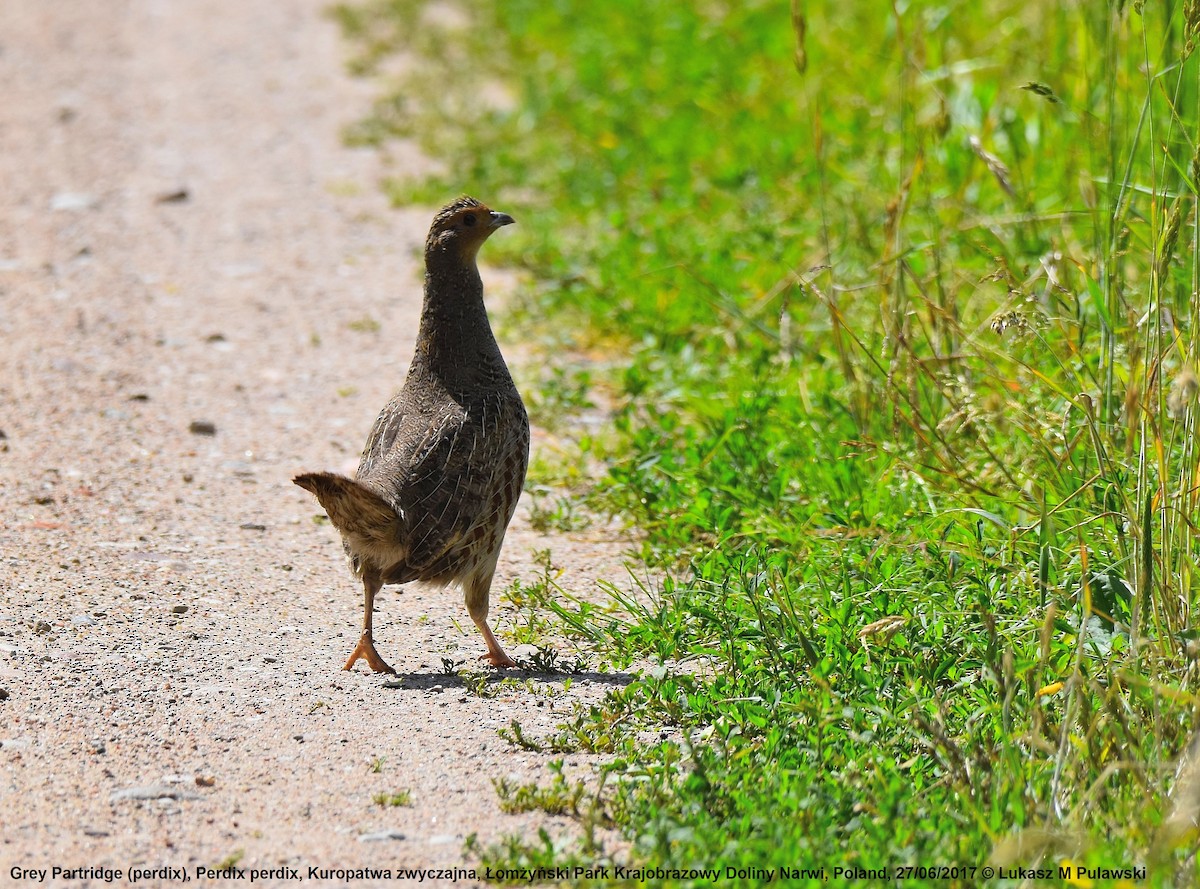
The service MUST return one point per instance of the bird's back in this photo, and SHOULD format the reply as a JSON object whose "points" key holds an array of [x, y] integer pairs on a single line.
{"points": [[451, 464]]}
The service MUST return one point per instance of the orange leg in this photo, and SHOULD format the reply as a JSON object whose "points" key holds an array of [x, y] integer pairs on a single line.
{"points": [[477, 606], [366, 645]]}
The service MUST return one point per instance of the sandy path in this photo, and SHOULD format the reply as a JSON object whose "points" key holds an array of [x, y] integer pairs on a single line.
{"points": [[170, 614]]}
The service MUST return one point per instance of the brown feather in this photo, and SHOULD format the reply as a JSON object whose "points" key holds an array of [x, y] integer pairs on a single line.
{"points": [[370, 527], [445, 461]]}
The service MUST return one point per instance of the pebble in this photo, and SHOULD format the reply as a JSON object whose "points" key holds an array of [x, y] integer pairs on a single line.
{"points": [[72, 200], [179, 609], [442, 839], [83, 620], [3, 693], [202, 427], [13, 743], [151, 791], [378, 836]]}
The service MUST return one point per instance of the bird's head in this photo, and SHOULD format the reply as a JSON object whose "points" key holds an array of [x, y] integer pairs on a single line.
{"points": [[461, 227]]}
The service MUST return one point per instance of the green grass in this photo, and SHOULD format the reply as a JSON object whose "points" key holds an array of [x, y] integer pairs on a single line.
{"points": [[904, 409], [393, 799]]}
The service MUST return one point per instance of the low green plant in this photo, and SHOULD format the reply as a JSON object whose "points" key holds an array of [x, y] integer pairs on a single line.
{"points": [[561, 797], [906, 418], [394, 798]]}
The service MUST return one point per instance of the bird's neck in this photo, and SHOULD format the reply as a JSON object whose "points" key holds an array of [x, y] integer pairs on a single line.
{"points": [[455, 341]]}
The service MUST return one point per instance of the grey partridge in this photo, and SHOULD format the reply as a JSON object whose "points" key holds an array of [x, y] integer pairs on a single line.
{"points": [[445, 462]]}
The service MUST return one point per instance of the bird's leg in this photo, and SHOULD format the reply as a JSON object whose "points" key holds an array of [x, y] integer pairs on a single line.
{"points": [[366, 645], [477, 606]]}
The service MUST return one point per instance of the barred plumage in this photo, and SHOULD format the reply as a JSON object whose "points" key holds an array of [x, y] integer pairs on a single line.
{"points": [[445, 462]]}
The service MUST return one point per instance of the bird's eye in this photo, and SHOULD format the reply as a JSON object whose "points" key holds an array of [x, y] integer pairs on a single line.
{"points": [[469, 219]]}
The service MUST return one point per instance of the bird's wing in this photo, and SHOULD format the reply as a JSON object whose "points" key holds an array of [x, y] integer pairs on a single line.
{"points": [[383, 436]]}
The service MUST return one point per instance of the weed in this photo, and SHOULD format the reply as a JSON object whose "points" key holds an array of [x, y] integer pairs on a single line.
{"points": [[395, 798], [479, 682], [551, 511], [547, 660], [516, 736], [560, 798], [231, 860]]}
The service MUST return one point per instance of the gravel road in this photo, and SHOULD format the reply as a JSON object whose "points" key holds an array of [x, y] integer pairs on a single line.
{"points": [[202, 293]]}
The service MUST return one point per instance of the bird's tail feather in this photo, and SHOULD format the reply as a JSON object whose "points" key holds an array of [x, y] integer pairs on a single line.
{"points": [[366, 520]]}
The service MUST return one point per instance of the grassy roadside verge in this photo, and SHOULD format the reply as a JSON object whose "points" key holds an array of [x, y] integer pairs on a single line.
{"points": [[905, 408]]}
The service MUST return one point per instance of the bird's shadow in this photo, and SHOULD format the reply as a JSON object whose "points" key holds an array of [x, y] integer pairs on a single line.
{"points": [[442, 680]]}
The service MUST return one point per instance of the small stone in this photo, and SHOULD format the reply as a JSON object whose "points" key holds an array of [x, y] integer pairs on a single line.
{"points": [[202, 427], [72, 200], [42, 627], [94, 832], [205, 780], [252, 526], [269, 660], [379, 836], [3, 693], [177, 196], [151, 791], [83, 620], [442, 839], [97, 746], [179, 609], [13, 743]]}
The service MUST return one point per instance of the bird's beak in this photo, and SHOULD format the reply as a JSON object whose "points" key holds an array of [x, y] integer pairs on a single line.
{"points": [[499, 219]]}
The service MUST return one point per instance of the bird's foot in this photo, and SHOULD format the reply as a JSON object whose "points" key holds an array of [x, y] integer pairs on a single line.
{"points": [[498, 658], [366, 649]]}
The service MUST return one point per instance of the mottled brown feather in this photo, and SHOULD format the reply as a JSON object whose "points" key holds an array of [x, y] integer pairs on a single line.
{"points": [[444, 464]]}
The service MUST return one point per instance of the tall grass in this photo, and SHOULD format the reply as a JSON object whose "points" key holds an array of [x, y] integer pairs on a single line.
{"points": [[906, 412]]}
